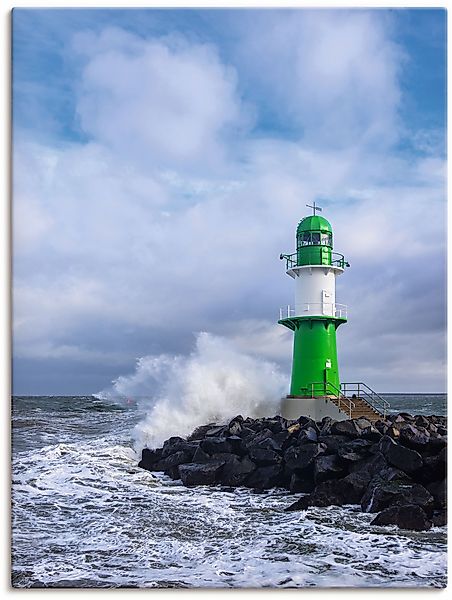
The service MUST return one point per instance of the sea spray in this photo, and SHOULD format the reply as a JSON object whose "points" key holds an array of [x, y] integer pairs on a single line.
{"points": [[212, 384]]}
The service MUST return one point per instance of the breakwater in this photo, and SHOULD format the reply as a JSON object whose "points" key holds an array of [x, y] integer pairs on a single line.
{"points": [[395, 467]]}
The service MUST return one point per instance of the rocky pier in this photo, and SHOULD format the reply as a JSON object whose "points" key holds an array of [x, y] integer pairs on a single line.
{"points": [[395, 467]]}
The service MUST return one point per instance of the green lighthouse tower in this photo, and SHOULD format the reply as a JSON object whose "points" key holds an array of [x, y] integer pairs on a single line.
{"points": [[314, 319]]}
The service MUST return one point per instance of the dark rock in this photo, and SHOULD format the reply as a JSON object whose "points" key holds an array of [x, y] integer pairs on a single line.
{"points": [[395, 493], [263, 456], [215, 444], [281, 439], [406, 516], [200, 432], [308, 434], [200, 473], [354, 450], [326, 425], [149, 458], [301, 504], [397, 455], [439, 518], [270, 444], [328, 467], [371, 465], [348, 428], [235, 425], [200, 456], [362, 423], [237, 445], [302, 481], [173, 460], [172, 445], [413, 438], [236, 471], [217, 431], [371, 433], [336, 492], [259, 437], [438, 490], [264, 478], [298, 458], [246, 433], [333, 442], [433, 469]]}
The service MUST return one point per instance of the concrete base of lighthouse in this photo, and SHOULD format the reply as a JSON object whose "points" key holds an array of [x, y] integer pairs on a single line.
{"points": [[293, 407]]}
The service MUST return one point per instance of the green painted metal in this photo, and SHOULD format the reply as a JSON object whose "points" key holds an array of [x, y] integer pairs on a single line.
{"points": [[314, 354], [314, 241], [314, 223]]}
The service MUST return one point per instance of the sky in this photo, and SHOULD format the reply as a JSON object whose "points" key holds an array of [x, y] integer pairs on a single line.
{"points": [[163, 158]]}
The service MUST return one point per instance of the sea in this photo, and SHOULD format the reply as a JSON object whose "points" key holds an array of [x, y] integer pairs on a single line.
{"points": [[85, 516]]}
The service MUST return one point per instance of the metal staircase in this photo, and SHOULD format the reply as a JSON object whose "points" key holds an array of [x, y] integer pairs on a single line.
{"points": [[354, 399]]}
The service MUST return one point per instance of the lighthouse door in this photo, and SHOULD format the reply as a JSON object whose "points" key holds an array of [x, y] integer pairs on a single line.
{"points": [[327, 305]]}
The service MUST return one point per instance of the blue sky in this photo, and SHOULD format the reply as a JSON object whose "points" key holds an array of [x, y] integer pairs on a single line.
{"points": [[162, 159]]}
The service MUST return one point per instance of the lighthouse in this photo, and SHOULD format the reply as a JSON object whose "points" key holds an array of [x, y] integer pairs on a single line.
{"points": [[315, 388]]}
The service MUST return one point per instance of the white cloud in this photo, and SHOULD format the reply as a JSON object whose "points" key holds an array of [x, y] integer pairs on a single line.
{"points": [[155, 101]]}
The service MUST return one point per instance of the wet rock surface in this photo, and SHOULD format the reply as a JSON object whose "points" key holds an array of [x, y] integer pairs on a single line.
{"points": [[395, 467]]}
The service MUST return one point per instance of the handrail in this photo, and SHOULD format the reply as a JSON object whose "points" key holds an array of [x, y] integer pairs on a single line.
{"points": [[332, 309], [293, 262], [370, 396], [328, 386]]}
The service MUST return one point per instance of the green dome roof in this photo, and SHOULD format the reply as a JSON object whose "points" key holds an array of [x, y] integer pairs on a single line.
{"points": [[314, 223]]}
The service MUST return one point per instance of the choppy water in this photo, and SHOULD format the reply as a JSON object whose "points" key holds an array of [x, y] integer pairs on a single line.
{"points": [[84, 515]]}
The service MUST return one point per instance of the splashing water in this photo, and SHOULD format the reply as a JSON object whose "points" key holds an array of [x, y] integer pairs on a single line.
{"points": [[214, 383]]}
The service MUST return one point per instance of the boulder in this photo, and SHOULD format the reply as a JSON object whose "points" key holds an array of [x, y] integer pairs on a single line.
{"points": [[381, 495], [172, 445], [333, 442], [236, 470], [200, 473], [259, 437], [354, 450], [406, 516], [298, 458], [215, 444], [439, 518], [200, 456], [438, 489], [174, 460], [149, 458], [325, 425], [237, 445], [263, 456], [264, 478], [217, 431], [371, 433], [307, 434], [336, 492], [405, 459], [301, 504], [347, 428], [235, 425], [328, 467], [303, 481]]}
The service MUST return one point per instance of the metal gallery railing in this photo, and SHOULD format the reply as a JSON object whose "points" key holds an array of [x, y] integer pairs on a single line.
{"points": [[337, 260], [367, 394], [323, 388], [322, 309]]}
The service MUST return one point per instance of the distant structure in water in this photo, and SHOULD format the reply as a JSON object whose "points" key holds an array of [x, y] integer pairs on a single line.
{"points": [[315, 389]]}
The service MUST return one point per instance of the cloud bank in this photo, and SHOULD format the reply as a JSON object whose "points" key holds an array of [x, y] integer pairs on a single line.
{"points": [[168, 217]]}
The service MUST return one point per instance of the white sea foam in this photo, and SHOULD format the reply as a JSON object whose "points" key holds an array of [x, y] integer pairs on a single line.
{"points": [[214, 383]]}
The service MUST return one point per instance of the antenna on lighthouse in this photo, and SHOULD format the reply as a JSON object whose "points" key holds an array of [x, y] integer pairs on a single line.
{"points": [[314, 208]]}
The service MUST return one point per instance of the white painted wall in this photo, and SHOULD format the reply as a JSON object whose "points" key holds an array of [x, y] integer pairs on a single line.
{"points": [[315, 290]]}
